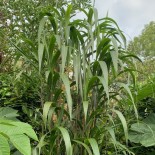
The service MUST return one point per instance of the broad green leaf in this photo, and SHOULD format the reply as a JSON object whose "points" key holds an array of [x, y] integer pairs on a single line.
{"points": [[9, 129], [67, 141], [4, 146], [18, 153], [8, 113], [25, 128], [145, 91], [94, 146], [68, 93], [22, 143], [144, 132], [15, 127]]}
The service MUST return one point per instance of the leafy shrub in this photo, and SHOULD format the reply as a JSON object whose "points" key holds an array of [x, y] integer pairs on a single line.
{"points": [[15, 132]]}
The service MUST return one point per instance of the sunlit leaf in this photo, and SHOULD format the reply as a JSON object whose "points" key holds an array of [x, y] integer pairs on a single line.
{"points": [[46, 109], [66, 138], [94, 146], [4, 146]]}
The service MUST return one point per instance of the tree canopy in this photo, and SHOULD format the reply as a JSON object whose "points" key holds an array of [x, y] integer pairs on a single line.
{"points": [[144, 44]]}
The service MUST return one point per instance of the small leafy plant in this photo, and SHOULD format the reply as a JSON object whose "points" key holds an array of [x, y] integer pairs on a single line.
{"points": [[14, 132]]}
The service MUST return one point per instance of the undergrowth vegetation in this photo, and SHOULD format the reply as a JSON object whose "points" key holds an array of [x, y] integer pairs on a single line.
{"points": [[76, 85]]}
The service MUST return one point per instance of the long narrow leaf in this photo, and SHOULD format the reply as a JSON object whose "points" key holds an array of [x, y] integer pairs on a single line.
{"points": [[40, 55], [132, 99], [94, 146], [85, 108], [67, 141], [46, 109], [68, 93], [84, 145], [124, 124]]}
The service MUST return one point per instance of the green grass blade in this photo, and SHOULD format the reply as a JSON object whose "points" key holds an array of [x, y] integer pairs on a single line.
{"points": [[145, 91], [124, 124], [76, 71], [104, 68], [68, 93], [132, 99], [67, 14], [41, 28], [41, 143], [50, 113], [67, 141], [46, 109], [94, 146], [40, 54], [64, 56], [114, 56], [85, 108], [85, 146], [90, 15], [67, 20], [106, 89]]}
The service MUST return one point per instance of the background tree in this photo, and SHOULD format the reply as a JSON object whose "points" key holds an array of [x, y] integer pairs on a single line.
{"points": [[19, 22], [144, 44]]}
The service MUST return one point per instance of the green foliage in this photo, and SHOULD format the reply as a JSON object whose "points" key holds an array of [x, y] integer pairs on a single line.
{"points": [[72, 80], [144, 132], [146, 106], [77, 63], [14, 132], [144, 44], [19, 21]]}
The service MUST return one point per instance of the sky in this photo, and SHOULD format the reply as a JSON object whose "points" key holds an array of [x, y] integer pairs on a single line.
{"points": [[131, 15]]}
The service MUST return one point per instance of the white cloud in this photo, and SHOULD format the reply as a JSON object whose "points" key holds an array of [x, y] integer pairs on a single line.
{"points": [[131, 15]]}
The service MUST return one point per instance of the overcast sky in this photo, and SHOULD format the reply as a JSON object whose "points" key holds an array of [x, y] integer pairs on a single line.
{"points": [[131, 15]]}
